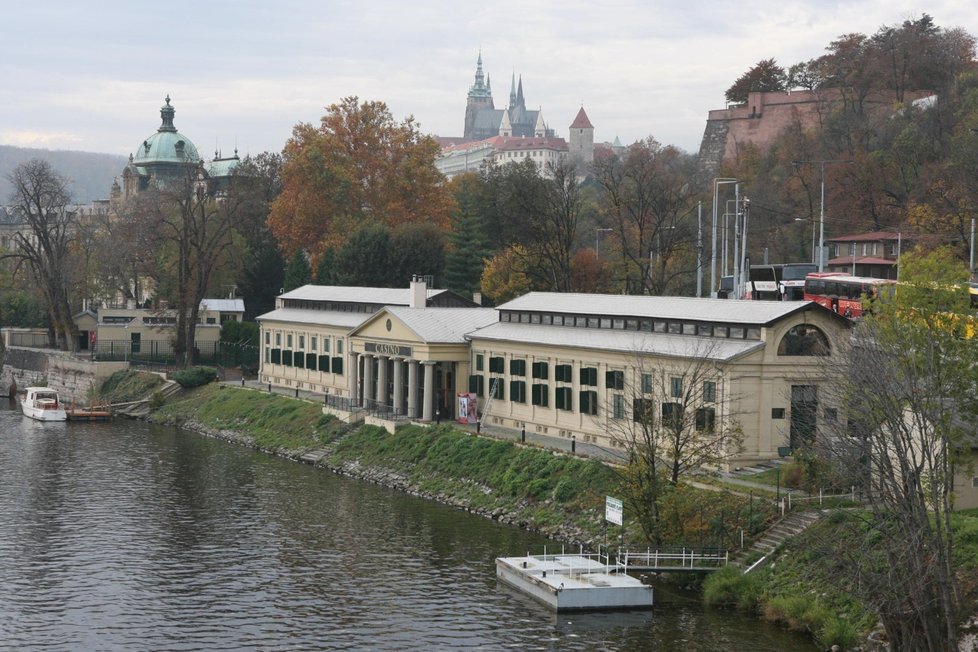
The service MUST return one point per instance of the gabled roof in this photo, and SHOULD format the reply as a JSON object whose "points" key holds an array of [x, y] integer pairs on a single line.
{"points": [[443, 325], [687, 308], [514, 143], [581, 121]]}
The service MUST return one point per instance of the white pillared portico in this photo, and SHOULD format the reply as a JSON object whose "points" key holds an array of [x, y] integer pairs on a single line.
{"points": [[431, 343]]}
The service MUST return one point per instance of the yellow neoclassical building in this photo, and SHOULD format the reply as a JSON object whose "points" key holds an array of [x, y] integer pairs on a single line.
{"points": [[581, 366]]}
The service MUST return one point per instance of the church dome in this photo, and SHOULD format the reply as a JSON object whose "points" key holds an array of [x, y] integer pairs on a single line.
{"points": [[167, 145]]}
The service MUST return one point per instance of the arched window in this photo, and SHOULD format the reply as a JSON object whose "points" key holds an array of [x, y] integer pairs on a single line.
{"points": [[804, 339]]}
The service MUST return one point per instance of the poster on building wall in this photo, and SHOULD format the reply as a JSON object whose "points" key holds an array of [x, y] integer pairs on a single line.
{"points": [[468, 408]]}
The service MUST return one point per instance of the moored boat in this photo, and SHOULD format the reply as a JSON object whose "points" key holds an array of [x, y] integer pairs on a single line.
{"points": [[42, 403]]}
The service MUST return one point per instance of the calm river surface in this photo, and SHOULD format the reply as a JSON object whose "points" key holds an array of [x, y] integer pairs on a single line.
{"points": [[124, 536]]}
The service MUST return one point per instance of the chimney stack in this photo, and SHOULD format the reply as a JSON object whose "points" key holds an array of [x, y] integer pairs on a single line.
{"points": [[419, 293]]}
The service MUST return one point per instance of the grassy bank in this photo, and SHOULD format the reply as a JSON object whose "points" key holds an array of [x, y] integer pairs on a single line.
{"points": [[554, 493], [267, 421], [808, 587]]}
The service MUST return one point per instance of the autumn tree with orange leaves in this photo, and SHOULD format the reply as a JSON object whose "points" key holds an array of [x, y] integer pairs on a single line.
{"points": [[358, 167]]}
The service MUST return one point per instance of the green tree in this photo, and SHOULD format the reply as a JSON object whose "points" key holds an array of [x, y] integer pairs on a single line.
{"points": [[263, 266], [907, 386], [298, 273], [469, 238], [765, 76], [416, 249], [364, 259], [326, 267]]}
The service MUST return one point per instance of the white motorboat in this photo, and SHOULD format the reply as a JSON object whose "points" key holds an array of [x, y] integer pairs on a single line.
{"points": [[42, 403]]}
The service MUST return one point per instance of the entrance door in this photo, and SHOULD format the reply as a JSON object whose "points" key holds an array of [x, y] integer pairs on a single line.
{"points": [[804, 411], [135, 341]]}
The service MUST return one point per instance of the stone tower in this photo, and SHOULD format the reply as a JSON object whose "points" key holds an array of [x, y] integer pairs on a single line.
{"points": [[580, 142], [480, 97]]}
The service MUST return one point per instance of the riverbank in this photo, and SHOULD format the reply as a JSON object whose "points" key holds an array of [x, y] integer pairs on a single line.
{"points": [[555, 494], [559, 496]]}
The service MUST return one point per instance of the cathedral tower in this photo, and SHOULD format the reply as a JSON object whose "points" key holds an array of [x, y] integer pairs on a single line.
{"points": [[480, 97]]}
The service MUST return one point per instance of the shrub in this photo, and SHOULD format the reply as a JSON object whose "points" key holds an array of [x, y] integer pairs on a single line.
{"points": [[730, 586], [156, 401], [837, 631], [565, 491], [195, 376]]}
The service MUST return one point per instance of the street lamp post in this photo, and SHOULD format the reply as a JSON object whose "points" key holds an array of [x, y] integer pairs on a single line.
{"points": [[717, 182], [821, 213]]}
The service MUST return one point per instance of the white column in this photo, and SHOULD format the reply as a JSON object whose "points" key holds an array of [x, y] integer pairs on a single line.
{"points": [[381, 380], [429, 390], [354, 364], [412, 389], [368, 380], [398, 386]]}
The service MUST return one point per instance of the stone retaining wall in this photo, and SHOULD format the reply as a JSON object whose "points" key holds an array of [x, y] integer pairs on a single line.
{"points": [[73, 378]]}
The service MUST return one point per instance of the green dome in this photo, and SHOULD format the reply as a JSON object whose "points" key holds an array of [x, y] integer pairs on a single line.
{"points": [[167, 145]]}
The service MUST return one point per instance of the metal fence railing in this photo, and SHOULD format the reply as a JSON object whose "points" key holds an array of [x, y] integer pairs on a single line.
{"points": [[161, 352]]}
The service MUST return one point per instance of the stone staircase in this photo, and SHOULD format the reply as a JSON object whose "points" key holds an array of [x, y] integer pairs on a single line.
{"points": [[140, 409], [791, 525]]}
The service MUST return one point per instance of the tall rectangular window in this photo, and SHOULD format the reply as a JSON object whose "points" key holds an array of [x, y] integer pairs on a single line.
{"points": [[339, 346], [302, 342], [562, 373], [646, 383], [676, 387], [589, 376], [709, 391], [614, 379], [672, 415], [562, 398], [517, 391], [477, 384], [589, 402], [643, 410], [496, 365], [479, 362], [517, 367], [541, 370], [706, 419], [618, 406], [288, 339], [541, 395]]}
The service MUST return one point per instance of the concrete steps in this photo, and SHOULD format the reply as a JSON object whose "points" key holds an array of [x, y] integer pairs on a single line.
{"points": [[140, 409], [791, 525]]}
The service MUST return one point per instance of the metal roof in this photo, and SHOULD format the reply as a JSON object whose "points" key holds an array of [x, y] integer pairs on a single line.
{"points": [[444, 325], [336, 318], [636, 342], [680, 308], [353, 294], [223, 305]]}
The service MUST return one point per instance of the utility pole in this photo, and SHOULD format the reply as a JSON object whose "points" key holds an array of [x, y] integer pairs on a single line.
{"points": [[717, 182]]}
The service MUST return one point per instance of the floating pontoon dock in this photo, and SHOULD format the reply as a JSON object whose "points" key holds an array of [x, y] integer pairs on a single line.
{"points": [[574, 582]]}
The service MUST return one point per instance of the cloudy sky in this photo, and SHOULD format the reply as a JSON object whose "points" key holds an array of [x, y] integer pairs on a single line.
{"points": [[92, 75]]}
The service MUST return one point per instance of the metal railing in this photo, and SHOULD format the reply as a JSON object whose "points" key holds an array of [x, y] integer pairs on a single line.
{"points": [[675, 559]]}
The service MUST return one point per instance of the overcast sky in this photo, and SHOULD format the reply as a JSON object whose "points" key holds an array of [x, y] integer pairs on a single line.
{"points": [[92, 75]]}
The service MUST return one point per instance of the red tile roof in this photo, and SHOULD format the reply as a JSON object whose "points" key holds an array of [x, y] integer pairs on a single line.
{"points": [[581, 121]]}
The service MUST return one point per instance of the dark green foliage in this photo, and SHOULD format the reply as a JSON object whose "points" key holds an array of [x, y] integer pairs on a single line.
{"points": [[416, 248], [326, 267], [364, 259], [194, 376], [298, 273], [240, 332], [469, 238], [765, 76]]}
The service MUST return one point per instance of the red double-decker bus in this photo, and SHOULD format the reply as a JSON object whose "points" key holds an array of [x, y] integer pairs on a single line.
{"points": [[842, 293]]}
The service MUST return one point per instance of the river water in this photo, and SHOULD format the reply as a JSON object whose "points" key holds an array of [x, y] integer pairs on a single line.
{"points": [[126, 536]]}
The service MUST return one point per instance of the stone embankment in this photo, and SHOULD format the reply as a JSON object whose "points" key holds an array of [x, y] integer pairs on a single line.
{"points": [[564, 532]]}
